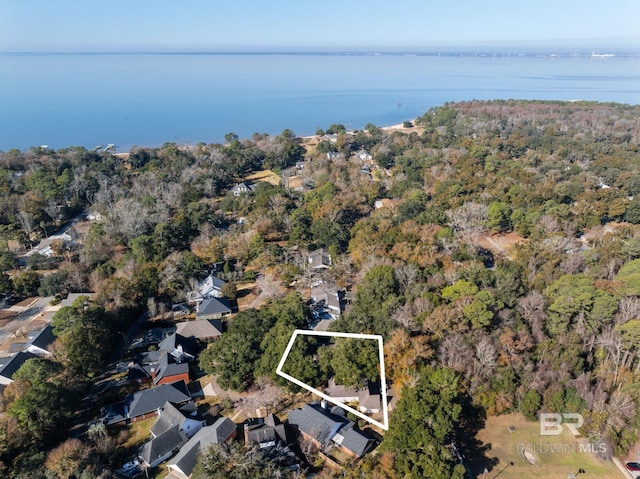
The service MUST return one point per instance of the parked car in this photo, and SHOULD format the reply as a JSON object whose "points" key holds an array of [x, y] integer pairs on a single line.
{"points": [[633, 466], [130, 469]]}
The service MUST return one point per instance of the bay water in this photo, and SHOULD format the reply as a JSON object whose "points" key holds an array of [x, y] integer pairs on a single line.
{"points": [[132, 100]]}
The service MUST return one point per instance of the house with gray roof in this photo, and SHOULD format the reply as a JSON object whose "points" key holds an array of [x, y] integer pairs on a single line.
{"points": [[352, 441], [201, 329], [265, 432], [244, 187], [184, 462], [327, 429], [161, 448], [173, 416], [368, 398], [328, 299], [179, 345], [213, 308], [171, 430], [146, 403], [319, 259], [316, 423]]}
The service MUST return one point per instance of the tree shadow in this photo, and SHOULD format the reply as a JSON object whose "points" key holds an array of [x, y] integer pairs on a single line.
{"points": [[476, 454]]}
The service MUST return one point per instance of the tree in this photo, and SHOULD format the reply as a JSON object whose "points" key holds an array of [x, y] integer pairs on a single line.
{"points": [[69, 459], [355, 361], [289, 314], [229, 290], [6, 285], [43, 405], [530, 404], [232, 357], [424, 422], [498, 217], [232, 461], [26, 283], [573, 295]]}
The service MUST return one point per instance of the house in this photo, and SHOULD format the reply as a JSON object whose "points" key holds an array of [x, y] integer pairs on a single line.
{"points": [[328, 299], [170, 431], [170, 363], [363, 155], [40, 341], [352, 441], [10, 364], [170, 368], [179, 346], [319, 259], [368, 398], [146, 403], [330, 428], [179, 310], [210, 287], [161, 448], [316, 424], [184, 462], [271, 437], [241, 188], [301, 165], [66, 239], [384, 203], [265, 432], [201, 329], [333, 155], [213, 308]]}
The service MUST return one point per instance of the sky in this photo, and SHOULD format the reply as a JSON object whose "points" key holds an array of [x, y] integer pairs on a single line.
{"points": [[302, 25]]}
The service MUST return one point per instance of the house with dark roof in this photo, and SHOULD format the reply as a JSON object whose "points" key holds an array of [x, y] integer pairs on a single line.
{"points": [[352, 441], [169, 369], [171, 430], [146, 403], [213, 308], [10, 364], [170, 363], [327, 429], [187, 420], [316, 423], [265, 432], [177, 344], [40, 341], [161, 448], [200, 329], [184, 462]]}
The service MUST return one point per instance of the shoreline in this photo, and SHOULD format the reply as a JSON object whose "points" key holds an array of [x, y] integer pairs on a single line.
{"points": [[191, 146]]}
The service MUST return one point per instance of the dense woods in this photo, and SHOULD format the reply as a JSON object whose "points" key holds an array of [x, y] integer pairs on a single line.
{"points": [[549, 322]]}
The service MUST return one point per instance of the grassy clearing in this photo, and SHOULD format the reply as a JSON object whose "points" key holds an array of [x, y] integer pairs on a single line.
{"points": [[264, 175], [139, 432], [565, 459]]}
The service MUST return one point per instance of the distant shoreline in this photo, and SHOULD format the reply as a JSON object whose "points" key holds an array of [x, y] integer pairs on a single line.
{"points": [[560, 53]]}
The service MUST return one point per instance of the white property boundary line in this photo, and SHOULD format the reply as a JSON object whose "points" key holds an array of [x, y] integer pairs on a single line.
{"points": [[383, 384]]}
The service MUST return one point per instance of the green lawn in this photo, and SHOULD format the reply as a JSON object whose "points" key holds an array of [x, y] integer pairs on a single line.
{"points": [[560, 456]]}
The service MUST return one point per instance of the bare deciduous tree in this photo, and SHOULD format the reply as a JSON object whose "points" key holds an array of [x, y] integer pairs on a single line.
{"points": [[468, 221]]}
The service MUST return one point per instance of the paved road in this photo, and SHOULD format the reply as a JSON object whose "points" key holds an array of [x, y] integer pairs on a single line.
{"points": [[22, 319]]}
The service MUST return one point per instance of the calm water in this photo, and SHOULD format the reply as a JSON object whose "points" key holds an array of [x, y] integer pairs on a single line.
{"points": [[146, 100]]}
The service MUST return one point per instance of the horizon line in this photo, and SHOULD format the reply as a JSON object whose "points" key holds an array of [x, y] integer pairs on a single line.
{"points": [[425, 52]]}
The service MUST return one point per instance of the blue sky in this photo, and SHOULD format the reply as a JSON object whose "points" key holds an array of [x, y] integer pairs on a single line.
{"points": [[261, 25]]}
